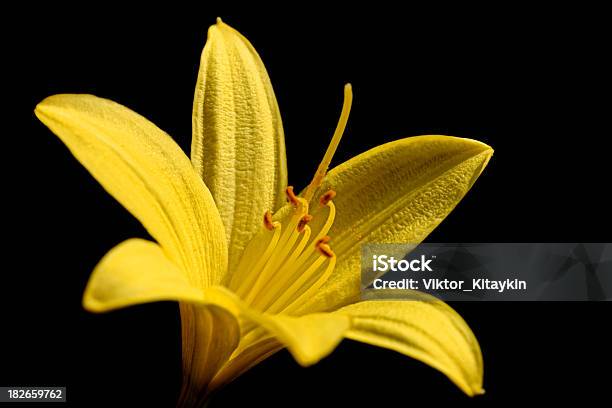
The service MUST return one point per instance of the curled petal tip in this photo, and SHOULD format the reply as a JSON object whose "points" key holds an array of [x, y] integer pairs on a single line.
{"points": [[476, 391]]}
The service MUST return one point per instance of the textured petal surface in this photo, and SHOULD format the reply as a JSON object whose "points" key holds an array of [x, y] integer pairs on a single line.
{"points": [[395, 193], [238, 144], [146, 171], [136, 271], [429, 331], [209, 335]]}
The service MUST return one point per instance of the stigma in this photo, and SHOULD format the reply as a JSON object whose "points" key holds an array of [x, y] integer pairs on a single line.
{"points": [[291, 197]]}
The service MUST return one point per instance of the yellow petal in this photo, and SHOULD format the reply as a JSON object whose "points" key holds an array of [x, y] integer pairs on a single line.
{"points": [[137, 271], [429, 331], [238, 144], [146, 171], [245, 358], [309, 338], [395, 193], [209, 336]]}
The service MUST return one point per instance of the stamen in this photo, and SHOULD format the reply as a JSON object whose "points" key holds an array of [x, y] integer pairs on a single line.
{"points": [[333, 145], [272, 290], [328, 222], [292, 258], [303, 221], [246, 274], [291, 196], [321, 236], [282, 248], [323, 248], [326, 250], [268, 223], [309, 292], [297, 284], [293, 268], [323, 240], [327, 197], [298, 249]]}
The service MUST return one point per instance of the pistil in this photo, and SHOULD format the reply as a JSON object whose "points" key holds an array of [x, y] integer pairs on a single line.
{"points": [[289, 259]]}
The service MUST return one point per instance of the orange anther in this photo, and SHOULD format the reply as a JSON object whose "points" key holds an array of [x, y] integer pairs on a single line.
{"points": [[327, 197], [303, 221], [323, 240], [291, 196], [268, 223], [325, 249]]}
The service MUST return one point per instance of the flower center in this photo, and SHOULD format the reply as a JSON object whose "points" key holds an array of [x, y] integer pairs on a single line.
{"points": [[291, 258], [288, 261]]}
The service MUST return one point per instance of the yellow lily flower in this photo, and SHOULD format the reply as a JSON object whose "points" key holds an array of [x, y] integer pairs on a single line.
{"points": [[252, 273]]}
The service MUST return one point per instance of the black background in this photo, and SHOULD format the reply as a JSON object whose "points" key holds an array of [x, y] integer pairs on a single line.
{"points": [[529, 82]]}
